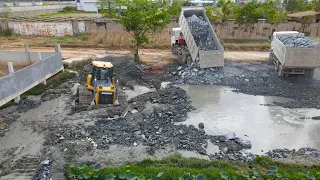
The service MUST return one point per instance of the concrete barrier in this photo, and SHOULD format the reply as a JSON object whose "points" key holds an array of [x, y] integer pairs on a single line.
{"points": [[23, 57], [16, 83]]}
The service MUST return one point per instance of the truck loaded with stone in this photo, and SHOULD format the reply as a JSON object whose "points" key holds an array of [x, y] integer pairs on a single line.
{"points": [[293, 53], [200, 45]]}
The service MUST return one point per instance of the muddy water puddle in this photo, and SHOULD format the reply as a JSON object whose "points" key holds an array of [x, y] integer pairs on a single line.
{"points": [[267, 127]]}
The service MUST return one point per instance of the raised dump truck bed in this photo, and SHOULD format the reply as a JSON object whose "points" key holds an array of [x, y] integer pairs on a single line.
{"points": [[293, 60], [208, 58]]}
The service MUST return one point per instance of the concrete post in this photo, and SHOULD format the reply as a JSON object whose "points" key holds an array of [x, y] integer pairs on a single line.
{"points": [[26, 48], [39, 59], [4, 24], [58, 49], [260, 27], [16, 3], [11, 70]]}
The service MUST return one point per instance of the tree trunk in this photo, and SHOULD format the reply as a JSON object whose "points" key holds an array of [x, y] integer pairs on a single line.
{"points": [[136, 54]]}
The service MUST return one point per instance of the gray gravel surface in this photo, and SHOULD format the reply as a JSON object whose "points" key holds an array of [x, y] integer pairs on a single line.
{"points": [[201, 34], [285, 153], [255, 78], [150, 121], [297, 41]]}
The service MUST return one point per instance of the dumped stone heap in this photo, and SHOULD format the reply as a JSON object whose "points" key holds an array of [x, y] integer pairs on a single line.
{"points": [[200, 31], [297, 41]]}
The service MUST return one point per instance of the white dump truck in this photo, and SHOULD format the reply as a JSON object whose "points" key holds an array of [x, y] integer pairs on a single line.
{"points": [[295, 56], [189, 51]]}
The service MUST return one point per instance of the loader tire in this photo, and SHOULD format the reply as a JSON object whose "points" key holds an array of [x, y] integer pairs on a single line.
{"points": [[84, 96]]}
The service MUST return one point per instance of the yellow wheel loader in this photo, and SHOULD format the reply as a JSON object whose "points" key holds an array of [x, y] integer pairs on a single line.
{"points": [[101, 86]]}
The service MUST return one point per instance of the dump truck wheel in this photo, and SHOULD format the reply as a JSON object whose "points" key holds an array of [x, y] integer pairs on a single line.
{"points": [[281, 71], [174, 50], [311, 73], [271, 57], [84, 96], [189, 61], [277, 66]]}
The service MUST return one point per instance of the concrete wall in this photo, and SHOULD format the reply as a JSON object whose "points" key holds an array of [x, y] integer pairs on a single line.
{"points": [[23, 57], [30, 10], [17, 83], [41, 28], [261, 30], [229, 29]]}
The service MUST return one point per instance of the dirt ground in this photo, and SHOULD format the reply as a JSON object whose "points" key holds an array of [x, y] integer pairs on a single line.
{"points": [[147, 55], [49, 130]]}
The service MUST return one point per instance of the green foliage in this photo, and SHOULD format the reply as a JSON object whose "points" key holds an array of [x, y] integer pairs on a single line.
{"points": [[228, 9], [316, 5], [248, 13], [214, 13], [142, 18], [297, 5], [62, 77], [5, 32], [40, 88], [37, 90], [175, 9], [68, 9], [280, 16], [253, 10], [107, 7], [178, 168]]}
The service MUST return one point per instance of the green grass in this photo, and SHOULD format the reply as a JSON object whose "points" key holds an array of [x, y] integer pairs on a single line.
{"points": [[176, 166], [62, 77], [40, 88], [46, 15], [245, 45]]}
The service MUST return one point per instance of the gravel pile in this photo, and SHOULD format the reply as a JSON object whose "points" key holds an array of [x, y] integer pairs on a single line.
{"points": [[236, 156], [25, 104], [200, 31], [297, 41], [151, 121], [285, 153], [44, 170]]}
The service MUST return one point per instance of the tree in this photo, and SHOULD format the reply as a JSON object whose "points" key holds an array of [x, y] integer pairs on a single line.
{"points": [[247, 13], [227, 10], [175, 9], [107, 4], [142, 17], [291, 5], [214, 13], [221, 3], [316, 5]]}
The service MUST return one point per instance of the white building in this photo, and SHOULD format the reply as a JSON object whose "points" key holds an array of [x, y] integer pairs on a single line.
{"points": [[87, 5]]}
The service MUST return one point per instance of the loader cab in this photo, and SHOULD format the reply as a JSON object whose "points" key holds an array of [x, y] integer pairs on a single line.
{"points": [[102, 72]]}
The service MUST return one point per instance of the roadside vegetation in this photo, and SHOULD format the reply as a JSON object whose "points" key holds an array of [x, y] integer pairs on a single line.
{"points": [[273, 11], [66, 10], [176, 167]]}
